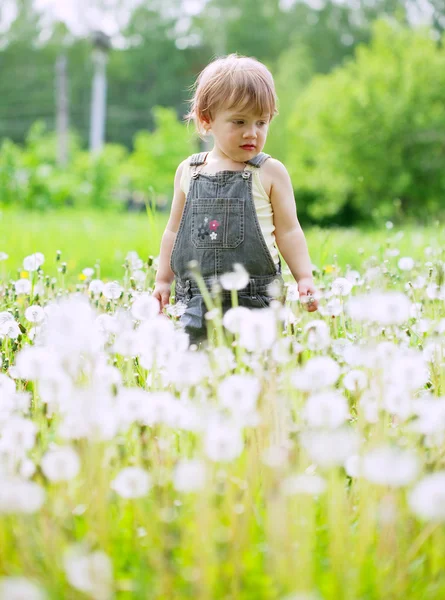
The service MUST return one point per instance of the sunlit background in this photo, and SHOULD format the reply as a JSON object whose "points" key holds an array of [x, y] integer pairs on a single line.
{"points": [[93, 95]]}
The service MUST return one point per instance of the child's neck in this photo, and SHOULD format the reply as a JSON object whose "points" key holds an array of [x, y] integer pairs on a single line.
{"points": [[216, 159]]}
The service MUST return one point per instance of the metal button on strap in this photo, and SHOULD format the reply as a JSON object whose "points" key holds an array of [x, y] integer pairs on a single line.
{"points": [[246, 174], [195, 174]]}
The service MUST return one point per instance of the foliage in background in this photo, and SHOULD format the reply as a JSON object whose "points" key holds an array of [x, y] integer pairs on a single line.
{"points": [[157, 155], [159, 52], [370, 137], [30, 177]]}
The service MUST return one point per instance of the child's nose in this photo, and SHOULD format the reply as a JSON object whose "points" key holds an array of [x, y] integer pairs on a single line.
{"points": [[250, 132]]}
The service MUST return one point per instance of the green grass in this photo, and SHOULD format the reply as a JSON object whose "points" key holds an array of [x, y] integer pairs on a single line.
{"points": [[82, 237], [87, 237]]}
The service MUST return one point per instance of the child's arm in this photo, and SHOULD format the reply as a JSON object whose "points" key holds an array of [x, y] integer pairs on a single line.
{"points": [[288, 233], [164, 275]]}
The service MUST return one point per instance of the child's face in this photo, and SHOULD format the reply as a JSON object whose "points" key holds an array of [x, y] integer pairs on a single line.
{"points": [[239, 134]]}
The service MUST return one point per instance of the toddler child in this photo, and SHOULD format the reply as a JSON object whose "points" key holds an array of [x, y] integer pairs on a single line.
{"points": [[234, 204]]}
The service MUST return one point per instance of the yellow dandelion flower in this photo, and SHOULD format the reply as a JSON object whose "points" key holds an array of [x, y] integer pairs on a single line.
{"points": [[24, 274], [329, 268], [82, 277]]}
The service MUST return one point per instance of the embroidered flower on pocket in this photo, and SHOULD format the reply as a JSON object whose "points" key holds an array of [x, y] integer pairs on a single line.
{"points": [[213, 235], [213, 225], [202, 232]]}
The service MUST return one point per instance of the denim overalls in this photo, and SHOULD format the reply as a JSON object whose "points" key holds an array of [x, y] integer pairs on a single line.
{"points": [[219, 227]]}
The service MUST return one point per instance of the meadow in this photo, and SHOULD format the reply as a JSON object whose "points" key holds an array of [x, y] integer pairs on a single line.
{"points": [[90, 237], [296, 456]]}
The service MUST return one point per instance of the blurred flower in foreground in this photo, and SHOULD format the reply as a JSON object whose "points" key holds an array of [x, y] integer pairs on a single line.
{"points": [[389, 466], [132, 482], [189, 475], [91, 573], [427, 498], [223, 442], [33, 262], [330, 448], [236, 280], [61, 464], [390, 308], [19, 588]]}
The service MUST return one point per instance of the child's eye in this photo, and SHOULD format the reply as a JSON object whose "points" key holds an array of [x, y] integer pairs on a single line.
{"points": [[238, 122], [263, 123]]}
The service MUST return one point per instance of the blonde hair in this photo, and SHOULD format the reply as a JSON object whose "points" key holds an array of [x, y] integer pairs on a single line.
{"points": [[232, 81]]}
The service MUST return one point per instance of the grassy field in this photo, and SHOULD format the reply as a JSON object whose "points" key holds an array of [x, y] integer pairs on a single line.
{"points": [[296, 456], [84, 238]]}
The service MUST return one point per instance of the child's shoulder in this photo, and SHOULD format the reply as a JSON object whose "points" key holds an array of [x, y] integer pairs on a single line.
{"points": [[273, 166], [272, 172]]}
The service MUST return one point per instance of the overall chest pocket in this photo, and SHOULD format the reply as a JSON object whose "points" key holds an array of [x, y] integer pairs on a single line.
{"points": [[217, 222]]}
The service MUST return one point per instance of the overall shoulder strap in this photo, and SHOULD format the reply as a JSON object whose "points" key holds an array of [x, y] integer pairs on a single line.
{"points": [[198, 159], [258, 160]]}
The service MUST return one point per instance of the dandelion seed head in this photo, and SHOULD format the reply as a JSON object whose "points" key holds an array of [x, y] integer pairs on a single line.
{"points": [[189, 475], [427, 498], [20, 588], [390, 466], [132, 482]]}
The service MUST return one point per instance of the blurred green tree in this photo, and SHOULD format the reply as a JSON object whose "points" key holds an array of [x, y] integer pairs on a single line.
{"points": [[369, 138]]}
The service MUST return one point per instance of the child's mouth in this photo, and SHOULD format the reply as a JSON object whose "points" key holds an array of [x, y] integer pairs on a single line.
{"points": [[248, 147]]}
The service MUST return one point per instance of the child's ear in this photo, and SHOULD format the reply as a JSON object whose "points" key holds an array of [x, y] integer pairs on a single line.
{"points": [[205, 122]]}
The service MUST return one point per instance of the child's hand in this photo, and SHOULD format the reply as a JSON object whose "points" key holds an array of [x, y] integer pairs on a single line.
{"points": [[307, 291], [162, 293]]}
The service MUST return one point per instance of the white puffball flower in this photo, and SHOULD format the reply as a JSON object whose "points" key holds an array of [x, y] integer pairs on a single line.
{"points": [[235, 280], [305, 483], [389, 308], [353, 466], [145, 307], [427, 498], [19, 496], [333, 308], [223, 442], [326, 409], [3, 256], [10, 329], [20, 588], [96, 287], [239, 393], [389, 466], [88, 272], [133, 260], [275, 456], [341, 286], [355, 380], [406, 263], [258, 331], [35, 314], [22, 287], [132, 482], [319, 372], [7, 386], [189, 475], [318, 336], [91, 573], [5, 316], [61, 464], [33, 261], [329, 448], [234, 318], [18, 435], [112, 290]]}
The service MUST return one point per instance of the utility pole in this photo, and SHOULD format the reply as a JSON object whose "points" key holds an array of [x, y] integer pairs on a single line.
{"points": [[101, 46], [62, 118]]}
